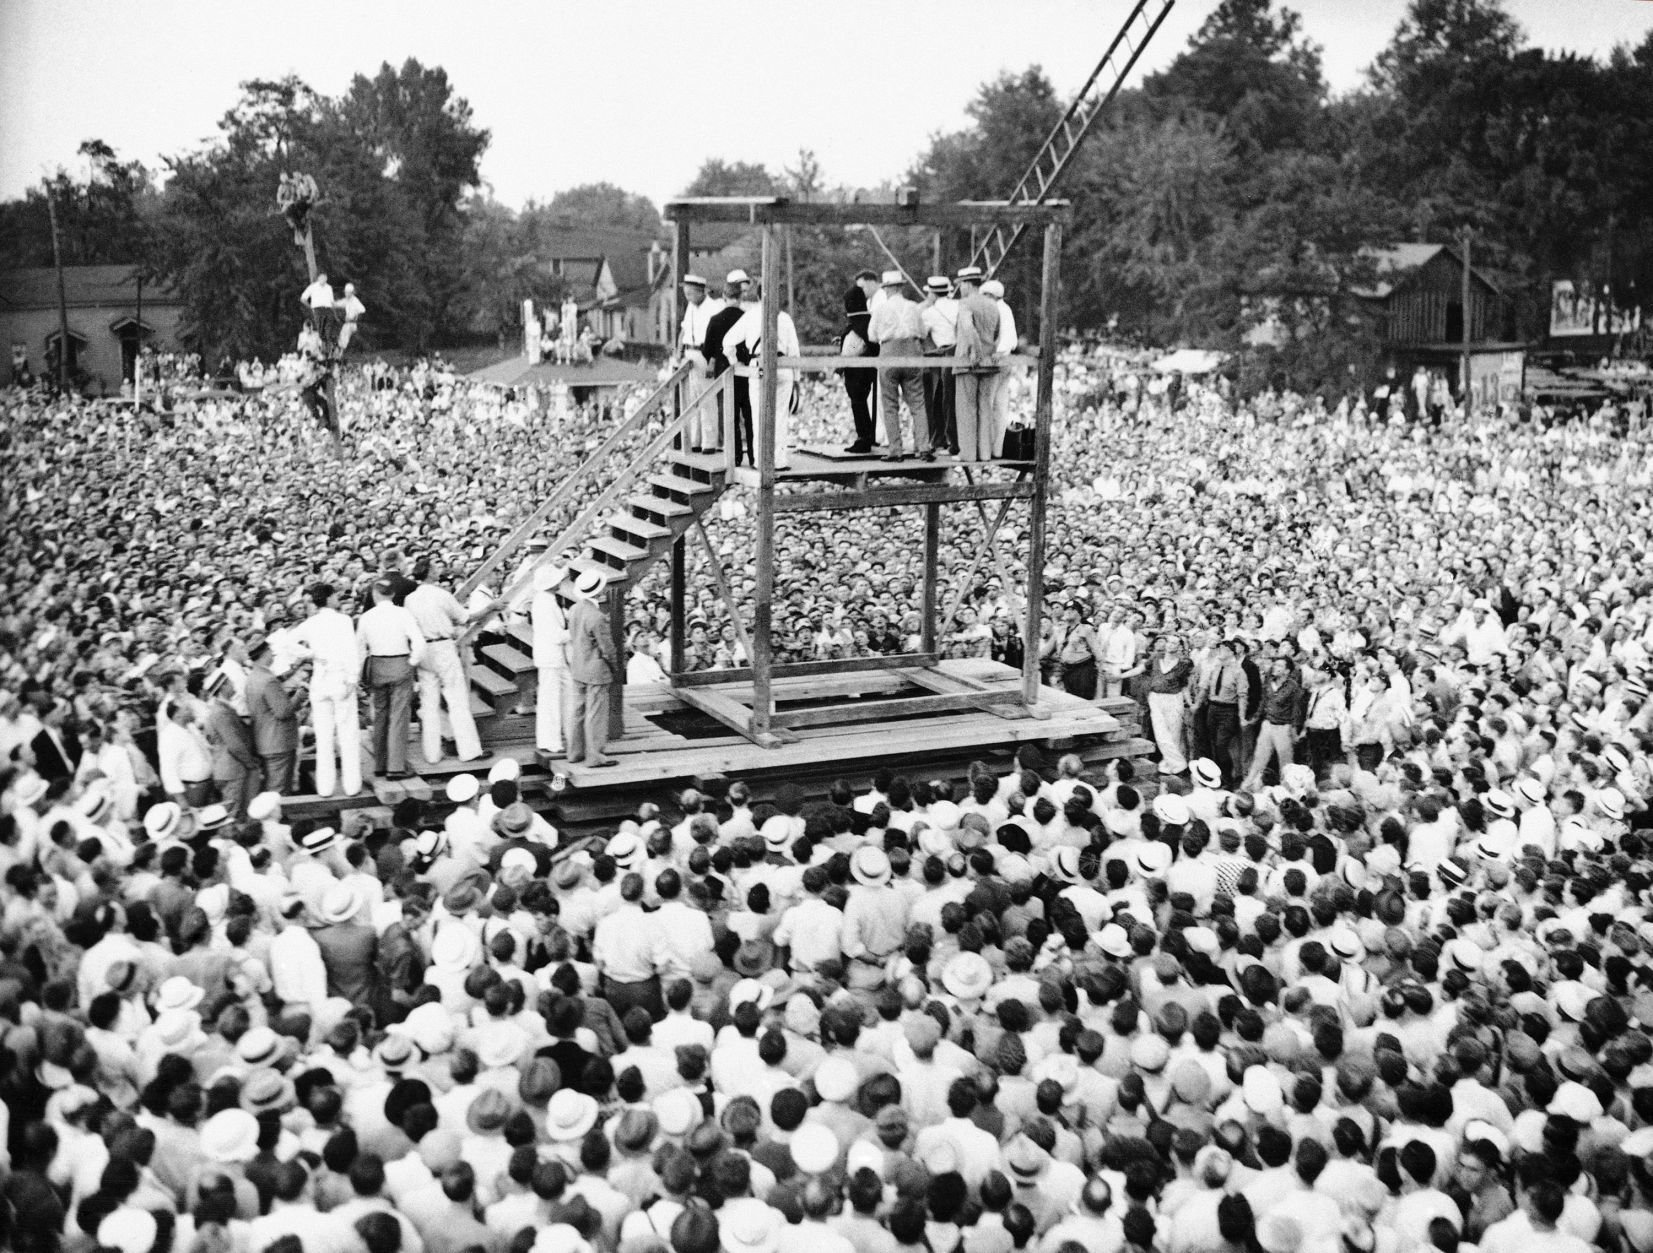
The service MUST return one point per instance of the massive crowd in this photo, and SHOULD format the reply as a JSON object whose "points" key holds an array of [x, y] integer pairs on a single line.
{"points": [[1360, 964]]}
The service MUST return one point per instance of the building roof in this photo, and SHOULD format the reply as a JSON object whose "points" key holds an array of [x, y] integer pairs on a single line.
{"points": [[83, 285], [1394, 263]]}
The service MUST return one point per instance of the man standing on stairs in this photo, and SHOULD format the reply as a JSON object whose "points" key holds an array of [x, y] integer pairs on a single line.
{"points": [[390, 645], [594, 667], [441, 675], [556, 690]]}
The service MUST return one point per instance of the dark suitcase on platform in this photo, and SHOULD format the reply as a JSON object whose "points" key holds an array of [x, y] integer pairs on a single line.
{"points": [[1018, 443]]}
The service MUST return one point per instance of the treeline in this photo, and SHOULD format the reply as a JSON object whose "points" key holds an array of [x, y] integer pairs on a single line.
{"points": [[1228, 191]]}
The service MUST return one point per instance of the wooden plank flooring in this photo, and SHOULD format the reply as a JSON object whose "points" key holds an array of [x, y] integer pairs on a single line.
{"points": [[651, 756]]}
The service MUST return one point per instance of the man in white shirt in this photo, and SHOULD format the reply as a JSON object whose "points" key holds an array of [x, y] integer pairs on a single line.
{"points": [[624, 948], [811, 930], [941, 314], [329, 641], [897, 327], [441, 674], [556, 687], [185, 756], [704, 433], [390, 645]]}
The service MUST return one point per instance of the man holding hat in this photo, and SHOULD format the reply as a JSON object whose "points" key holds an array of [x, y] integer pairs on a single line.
{"points": [[593, 667], [975, 367], [897, 327]]}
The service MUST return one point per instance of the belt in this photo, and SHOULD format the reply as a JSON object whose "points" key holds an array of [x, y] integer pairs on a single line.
{"points": [[439, 639], [386, 656], [1231, 704]]}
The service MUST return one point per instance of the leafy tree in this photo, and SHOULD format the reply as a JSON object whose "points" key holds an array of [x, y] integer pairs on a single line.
{"points": [[101, 217], [717, 177], [431, 152], [604, 204]]}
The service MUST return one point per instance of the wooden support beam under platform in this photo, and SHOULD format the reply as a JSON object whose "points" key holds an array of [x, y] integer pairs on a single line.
{"points": [[891, 497], [794, 669], [886, 710]]}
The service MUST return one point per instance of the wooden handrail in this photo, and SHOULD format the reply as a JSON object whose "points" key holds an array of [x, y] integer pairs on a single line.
{"points": [[642, 462], [520, 533]]}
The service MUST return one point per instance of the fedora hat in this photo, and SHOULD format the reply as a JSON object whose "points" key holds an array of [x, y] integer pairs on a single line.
{"points": [[259, 1047], [177, 993], [569, 1115], [160, 822], [869, 866], [266, 1091], [230, 1136], [1206, 773], [340, 903], [967, 976], [454, 948]]}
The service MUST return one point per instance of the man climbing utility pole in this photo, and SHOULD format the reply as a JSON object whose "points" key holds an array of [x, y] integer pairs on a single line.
{"points": [[296, 196]]}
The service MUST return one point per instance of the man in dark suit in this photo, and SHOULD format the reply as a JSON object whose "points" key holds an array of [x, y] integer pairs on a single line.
{"points": [[235, 762], [594, 667], [56, 747], [859, 384], [722, 322], [274, 723]]}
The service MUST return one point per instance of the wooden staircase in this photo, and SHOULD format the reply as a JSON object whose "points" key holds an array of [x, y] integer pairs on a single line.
{"points": [[628, 543]]}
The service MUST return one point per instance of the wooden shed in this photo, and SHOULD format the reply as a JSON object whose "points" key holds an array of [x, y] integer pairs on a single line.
{"points": [[1417, 298]]}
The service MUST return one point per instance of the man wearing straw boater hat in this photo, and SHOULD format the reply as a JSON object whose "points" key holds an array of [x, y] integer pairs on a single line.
{"points": [[594, 666]]}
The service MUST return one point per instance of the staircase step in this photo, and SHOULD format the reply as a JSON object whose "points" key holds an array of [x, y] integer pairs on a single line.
{"points": [[659, 506], [627, 524], [481, 708], [582, 563], [712, 462], [491, 682], [522, 635], [671, 485], [617, 553], [698, 469], [506, 660]]}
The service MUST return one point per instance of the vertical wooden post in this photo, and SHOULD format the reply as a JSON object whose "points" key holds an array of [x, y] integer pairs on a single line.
{"points": [[932, 559], [762, 640], [615, 598], [680, 267], [680, 593], [1051, 298], [1469, 400]]}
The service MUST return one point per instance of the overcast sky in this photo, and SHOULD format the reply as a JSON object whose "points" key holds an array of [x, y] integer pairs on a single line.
{"points": [[633, 92]]}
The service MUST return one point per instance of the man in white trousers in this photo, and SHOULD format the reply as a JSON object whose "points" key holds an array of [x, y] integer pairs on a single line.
{"points": [[556, 690], [441, 674], [328, 638]]}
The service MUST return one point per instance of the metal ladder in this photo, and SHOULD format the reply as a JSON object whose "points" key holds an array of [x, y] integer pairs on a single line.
{"points": [[1064, 139]]}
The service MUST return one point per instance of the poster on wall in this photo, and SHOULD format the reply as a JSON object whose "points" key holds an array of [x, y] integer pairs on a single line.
{"points": [[1496, 378], [1575, 310]]}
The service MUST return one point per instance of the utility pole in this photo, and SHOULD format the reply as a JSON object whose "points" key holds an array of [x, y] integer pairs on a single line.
{"points": [[1468, 320], [62, 297]]}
